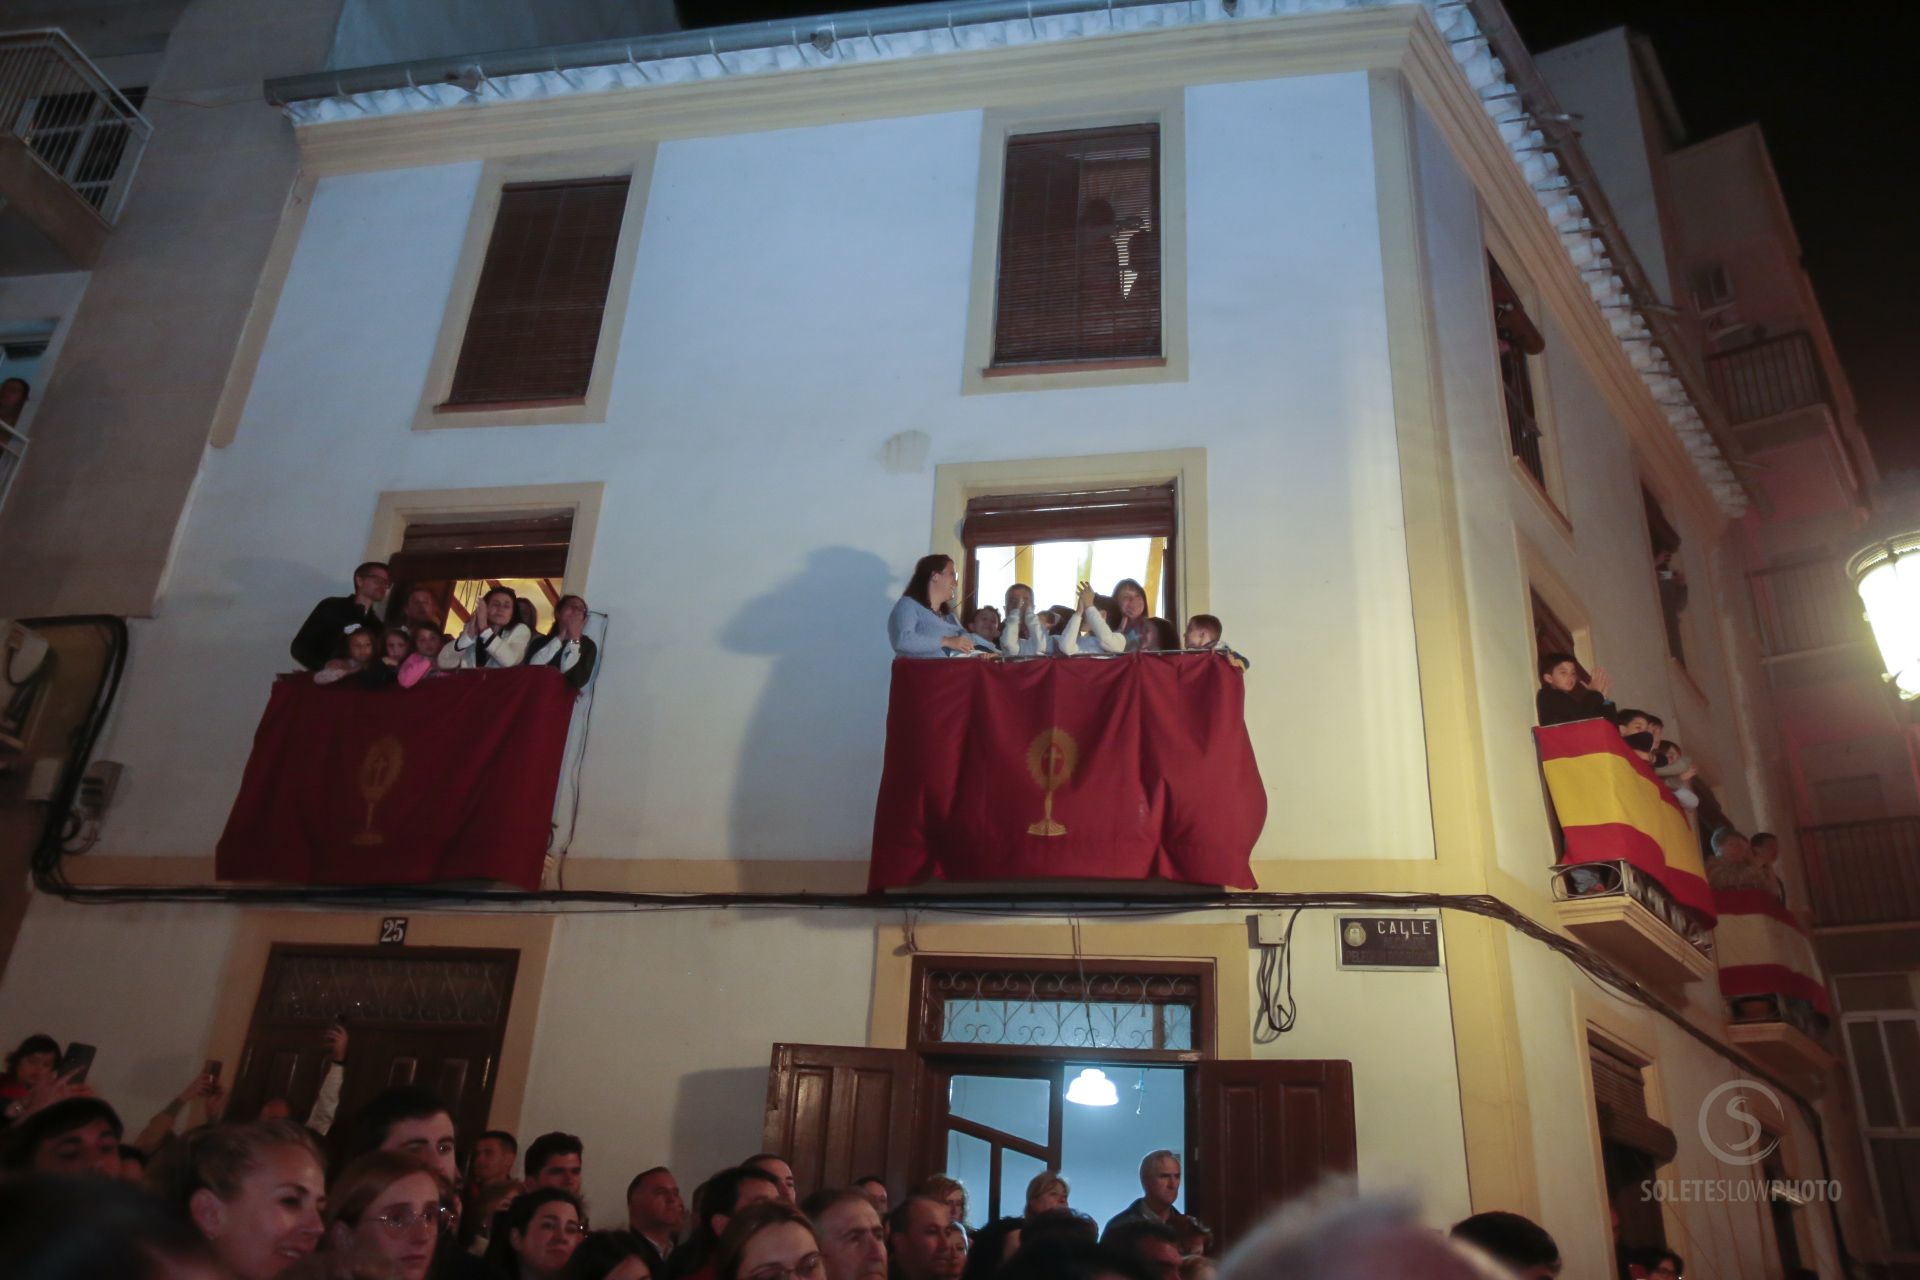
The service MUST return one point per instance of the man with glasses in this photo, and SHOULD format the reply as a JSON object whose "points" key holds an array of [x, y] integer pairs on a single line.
{"points": [[333, 617]]}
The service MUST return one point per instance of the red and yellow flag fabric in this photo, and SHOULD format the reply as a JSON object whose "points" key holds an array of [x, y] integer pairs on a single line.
{"points": [[1613, 809], [1764, 950], [1129, 768]]}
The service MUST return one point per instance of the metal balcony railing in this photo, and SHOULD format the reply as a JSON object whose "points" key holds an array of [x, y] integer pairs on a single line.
{"points": [[1804, 607], [1864, 872], [1771, 377], [55, 102]]}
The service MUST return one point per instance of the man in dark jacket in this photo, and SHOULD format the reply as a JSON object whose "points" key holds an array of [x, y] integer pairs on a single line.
{"points": [[333, 617], [567, 647]]}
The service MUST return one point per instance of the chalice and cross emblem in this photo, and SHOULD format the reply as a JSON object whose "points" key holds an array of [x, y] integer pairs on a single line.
{"points": [[1051, 759]]}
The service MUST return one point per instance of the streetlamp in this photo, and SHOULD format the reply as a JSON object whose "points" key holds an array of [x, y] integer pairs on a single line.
{"points": [[1887, 575]]}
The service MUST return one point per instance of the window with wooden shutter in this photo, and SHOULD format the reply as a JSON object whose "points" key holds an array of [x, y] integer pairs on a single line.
{"points": [[1632, 1145], [1516, 338], [535, 321], [459, 561], [1079, 262], [1002, 531]]}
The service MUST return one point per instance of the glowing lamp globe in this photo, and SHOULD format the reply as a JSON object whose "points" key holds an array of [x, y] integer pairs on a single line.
{"points": [[1887, 575], [1091, 1088]]}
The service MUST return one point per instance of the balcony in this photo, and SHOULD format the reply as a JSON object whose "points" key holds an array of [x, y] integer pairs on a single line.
{"points": [[1864, 873], [1131, 769], [1864, 879], [1806, 609], [1769, 378], [1631, 885], [1777, 1004], [69, 145]]}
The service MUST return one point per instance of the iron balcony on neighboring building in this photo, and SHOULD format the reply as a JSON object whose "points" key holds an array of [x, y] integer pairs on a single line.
{"points": [[70, 143]]}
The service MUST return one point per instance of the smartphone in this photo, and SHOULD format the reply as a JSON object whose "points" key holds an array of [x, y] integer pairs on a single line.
{"points": [[77, 1062], [212, 1070]]}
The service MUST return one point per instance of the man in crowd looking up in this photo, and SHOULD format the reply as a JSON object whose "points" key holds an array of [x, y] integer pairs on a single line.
{"points": [[74, 1137], [922, 1245], [493, 1157], [1519, 1244], [725, 1194], [782, 1172], [333, 617], [1153, 1244], [656, 1214], [1160, 1183], [876, 1189], [403, 1118], [553, 1160], [853, 1240]]}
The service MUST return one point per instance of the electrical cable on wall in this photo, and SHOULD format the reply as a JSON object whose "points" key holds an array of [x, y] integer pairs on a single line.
{"points": [[1273, 985], [579, 760]]}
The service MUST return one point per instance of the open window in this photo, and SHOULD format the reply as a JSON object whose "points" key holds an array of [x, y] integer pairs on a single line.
{"points": [[1668, 576], [1054, 541], [1633, 1145], [458, 560], [1517, 338]]}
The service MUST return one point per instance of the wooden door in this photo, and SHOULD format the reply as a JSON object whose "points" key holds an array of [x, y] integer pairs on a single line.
{"points": [[1263, 1133], [431, 1016], [838, 1113], [1012, 1157]]}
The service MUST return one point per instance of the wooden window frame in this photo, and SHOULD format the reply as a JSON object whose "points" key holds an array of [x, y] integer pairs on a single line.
{"points": [[1519, 396], [1165, 108], [633, 163], [924, 1003], [1010, 528]]}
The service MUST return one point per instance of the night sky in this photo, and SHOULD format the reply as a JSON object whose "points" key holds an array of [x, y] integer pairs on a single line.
{"points": [[1825, 84]]}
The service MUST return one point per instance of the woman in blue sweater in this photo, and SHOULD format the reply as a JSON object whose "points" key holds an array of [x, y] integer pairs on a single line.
{"points": [[922, 624]]}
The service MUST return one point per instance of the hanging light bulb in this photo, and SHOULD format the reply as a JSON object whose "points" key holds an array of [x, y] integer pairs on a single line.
{"points": [[1091, 1088]]}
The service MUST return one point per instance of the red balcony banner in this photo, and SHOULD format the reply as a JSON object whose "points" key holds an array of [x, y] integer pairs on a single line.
{"points": [[1128, 768], [1614, 809], [1763, 949], [452, 779]]}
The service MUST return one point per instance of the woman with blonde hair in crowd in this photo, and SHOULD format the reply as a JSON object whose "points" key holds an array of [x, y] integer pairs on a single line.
{"points": [[1047, 1191], [252, 1191], [388, 1205]]}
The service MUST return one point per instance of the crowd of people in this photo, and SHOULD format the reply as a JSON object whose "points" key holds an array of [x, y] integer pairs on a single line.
{"points": [[923, 624], [384, 1195], [345, 638], [1735, 860]]}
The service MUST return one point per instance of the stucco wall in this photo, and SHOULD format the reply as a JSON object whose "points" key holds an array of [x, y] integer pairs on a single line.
{"points": [[799, 298]]}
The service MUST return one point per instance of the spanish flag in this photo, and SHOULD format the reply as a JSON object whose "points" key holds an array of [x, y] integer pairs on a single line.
{"points": [[1614, 809], [1764, 950]]}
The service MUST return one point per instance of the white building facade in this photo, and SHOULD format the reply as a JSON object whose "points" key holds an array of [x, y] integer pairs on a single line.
{"points": [[791, 400]]}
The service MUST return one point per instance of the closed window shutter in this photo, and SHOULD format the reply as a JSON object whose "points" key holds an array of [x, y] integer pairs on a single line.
{"points": [[533, 547], [1079, 270], [1078, 516], [1620, 1098], [543, 290]]}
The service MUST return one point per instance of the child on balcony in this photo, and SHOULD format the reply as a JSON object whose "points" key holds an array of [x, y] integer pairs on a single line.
{"points": [[353, 653], [1024, 633], [396, 646], [1563, 697], [1203, 633], [428, 640]]}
